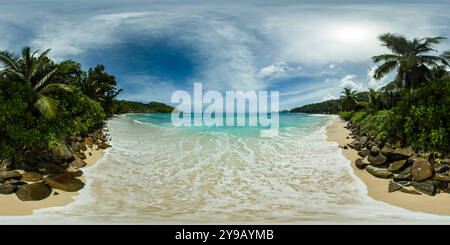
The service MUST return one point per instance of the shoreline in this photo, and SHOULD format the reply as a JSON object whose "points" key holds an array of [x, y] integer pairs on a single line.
{"points": [[11, 205], [377, 188]]}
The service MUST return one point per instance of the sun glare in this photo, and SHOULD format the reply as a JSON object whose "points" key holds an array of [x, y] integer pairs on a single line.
{"points": [[351, 34]]}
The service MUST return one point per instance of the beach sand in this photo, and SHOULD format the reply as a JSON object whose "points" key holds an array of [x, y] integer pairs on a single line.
{"points": [[377, 188], [10, 205]]}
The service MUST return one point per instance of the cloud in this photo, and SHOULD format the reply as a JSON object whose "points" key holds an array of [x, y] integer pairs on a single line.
{"points": [[349, 82]]}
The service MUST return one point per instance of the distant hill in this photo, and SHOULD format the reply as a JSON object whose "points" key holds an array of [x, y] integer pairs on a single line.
{"points": [[327, 107], [125, 106]]}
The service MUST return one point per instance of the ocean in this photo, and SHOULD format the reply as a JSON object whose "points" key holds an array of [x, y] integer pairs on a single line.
{"points": [[156, 173]]}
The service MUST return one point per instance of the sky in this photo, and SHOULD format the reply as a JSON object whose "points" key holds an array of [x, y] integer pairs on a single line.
{"points": [[307, 50]]}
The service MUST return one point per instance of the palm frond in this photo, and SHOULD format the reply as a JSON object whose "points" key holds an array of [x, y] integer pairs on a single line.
{"points": [[56, 87], [47, 106], [9, 60], [44, 79], [397, 43], [385, 57], [384, 69]]}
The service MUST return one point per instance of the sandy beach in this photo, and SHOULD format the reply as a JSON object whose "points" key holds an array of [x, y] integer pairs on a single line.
{"points": [[377, 188], [10, 205]]}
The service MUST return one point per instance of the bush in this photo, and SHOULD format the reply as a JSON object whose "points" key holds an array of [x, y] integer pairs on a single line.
{"points": [[22, 127], [422, 118]]}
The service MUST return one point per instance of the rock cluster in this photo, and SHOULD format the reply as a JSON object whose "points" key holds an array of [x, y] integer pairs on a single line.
{"points": [[409, 171], [33, 174]]}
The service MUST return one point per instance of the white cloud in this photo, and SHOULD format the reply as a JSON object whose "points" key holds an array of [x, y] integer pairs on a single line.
{"points": [[349, 82], [376, 84]]}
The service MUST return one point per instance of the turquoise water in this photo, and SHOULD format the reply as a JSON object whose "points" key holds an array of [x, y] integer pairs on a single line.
{"points": [[157, 173]]}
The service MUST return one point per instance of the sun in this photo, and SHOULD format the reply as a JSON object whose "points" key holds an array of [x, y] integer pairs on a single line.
{"points": [[351, 34]]}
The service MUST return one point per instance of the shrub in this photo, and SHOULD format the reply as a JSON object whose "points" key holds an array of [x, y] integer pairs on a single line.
{"points": [[421, 119]]}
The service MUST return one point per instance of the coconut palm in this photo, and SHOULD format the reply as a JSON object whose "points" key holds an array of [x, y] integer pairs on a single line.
{"points": [[349, 99], [35, 72], [375, 101], [409, 58]]}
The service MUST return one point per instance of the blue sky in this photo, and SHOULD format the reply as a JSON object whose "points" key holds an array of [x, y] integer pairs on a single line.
{"points": [[307, 50]]}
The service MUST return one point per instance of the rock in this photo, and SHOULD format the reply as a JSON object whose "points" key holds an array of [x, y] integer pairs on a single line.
{"points": [[378, 172], [426, 187], [421, 170], [6, 164], [363, 153], [363, 141], [378, 160], [361, 163], [31, 157], [10, 175], [33, 192], [397, 165], [389, 153], [354, 144], [31, 177], [49, 168], [56, 193], [23, 165], [82, 146], [403, 175], [78, 138], [441, 177], [60, 154], [78, 163], [75, 146], [6, 189], [374, 151], [404, 152], [393, 186], [87, 141], [345, 147], [104, 145], [65, 182], [442, 169], [403, 183], [410, 191], [16, 182], [77, 173], [81, 155]]}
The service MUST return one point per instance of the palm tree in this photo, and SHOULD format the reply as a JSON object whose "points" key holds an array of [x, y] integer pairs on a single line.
{"points": [[349, 99], [375, 103], [34, 71], [410, 58]]}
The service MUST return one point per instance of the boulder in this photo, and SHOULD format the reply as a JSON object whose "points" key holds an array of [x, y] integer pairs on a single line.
{"points": [[442, 169], [6, 189], [80, 155], [31, 157], [441, 177], [397, 165], [82, 146], [378, 160], [403, 152], [378, 172], [374, 151], [361, 163], [65, 182], [15, 182], [410, 191], [33, 192], [78, 138], [31, 177], [104, 145], [363, 153], [10, 175], [87, 141], [421, 170], [49, 168], [78, 163], [393, 186], [77, 173], [60, 154], [388, 152], [363, 141], [22, 165], [426, 187], [75, 146], [404, 175]]}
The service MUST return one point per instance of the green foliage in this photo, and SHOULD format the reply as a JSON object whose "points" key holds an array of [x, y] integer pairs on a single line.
{"points": [[422, 118], [326, 107], [123, 106], [21, 127]]}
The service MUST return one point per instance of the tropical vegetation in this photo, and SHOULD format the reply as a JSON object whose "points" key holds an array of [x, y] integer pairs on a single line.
{"points": [[413, 109], [42, 103]]}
